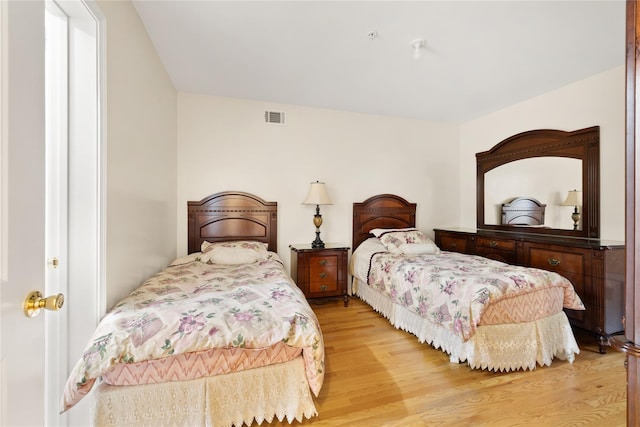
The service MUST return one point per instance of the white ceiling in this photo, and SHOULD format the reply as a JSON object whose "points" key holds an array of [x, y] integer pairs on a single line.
{"points": [[480, 56]]}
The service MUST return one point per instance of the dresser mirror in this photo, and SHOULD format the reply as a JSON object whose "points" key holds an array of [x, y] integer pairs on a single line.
{"points": [[544, 165]]}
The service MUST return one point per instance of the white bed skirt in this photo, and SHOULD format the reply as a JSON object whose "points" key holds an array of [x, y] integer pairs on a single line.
{"points": [[259, 394], [507, 347]]}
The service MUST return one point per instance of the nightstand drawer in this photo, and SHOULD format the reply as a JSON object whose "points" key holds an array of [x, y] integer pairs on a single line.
{"points": [[326, 286], [323, 270]]}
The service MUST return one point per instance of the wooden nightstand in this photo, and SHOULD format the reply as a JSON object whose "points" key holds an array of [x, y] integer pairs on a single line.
{"points": [[320, 273]]}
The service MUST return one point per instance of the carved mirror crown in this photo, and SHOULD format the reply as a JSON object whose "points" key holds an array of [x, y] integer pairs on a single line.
{"points": [[583, 144]]}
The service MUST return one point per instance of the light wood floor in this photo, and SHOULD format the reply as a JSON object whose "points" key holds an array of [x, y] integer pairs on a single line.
{"points": [[380, 376]]}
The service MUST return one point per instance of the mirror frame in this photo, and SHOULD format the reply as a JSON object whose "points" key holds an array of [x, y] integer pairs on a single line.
{"points": [[583, 144]]}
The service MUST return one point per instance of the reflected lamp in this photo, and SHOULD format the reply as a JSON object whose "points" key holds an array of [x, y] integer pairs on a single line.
{"points": [[574, 198]]}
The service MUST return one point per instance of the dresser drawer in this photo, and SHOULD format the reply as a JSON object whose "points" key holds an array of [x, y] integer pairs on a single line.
{"points": [[453, 243], [502, 244], [499, 249], [572, 264], [558, 261], [508, 257]]}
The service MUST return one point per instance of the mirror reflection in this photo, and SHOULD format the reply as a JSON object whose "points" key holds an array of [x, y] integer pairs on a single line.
{"points": [[539, 162], [545, 179]]}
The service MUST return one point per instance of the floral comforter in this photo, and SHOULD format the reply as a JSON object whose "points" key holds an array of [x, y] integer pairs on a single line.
{"points": [[197, 306], [453, 289]]}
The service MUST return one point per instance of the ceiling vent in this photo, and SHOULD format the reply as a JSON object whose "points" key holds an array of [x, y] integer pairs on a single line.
{"points": [[274, 117]]}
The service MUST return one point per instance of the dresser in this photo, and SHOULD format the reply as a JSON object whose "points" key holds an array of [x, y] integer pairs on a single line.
{"points": [[321, 272], [595, 268]]}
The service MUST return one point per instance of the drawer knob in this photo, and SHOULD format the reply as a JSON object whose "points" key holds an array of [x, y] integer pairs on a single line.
{"points": [[452, 245], [322, 262], [493, 243], [323, 288], [323, 275], [554, 262]]}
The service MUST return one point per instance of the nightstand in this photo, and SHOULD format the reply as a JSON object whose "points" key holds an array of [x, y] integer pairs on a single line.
{"points": [[320, 272]]}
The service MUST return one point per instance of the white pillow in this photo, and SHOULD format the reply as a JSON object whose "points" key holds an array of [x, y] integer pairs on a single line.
{"points": [[231, 256], [186, 259], [233, 252], [408, 242], [419, 249], [371, 245], [247, 244]]}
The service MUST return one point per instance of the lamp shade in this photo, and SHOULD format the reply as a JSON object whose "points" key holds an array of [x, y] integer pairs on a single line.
{"points": [[574, 198], [317, 195]]}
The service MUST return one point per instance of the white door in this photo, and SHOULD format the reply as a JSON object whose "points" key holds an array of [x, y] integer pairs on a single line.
{"points": [[32, 352], [23, 207]]}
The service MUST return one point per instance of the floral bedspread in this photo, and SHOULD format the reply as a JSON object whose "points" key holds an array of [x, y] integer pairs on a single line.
{"points": [[453, 289], [197, 306]]}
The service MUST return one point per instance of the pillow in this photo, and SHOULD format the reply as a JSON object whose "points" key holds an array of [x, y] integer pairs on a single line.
{"points": [[247, 244], [233, 252], [408, 242], [371, 245], [186, 259], [380, 231]]}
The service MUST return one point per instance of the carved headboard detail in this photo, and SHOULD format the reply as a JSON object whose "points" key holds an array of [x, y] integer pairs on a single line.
{"points": [[232, 215], [381, 211], [523, 211]]}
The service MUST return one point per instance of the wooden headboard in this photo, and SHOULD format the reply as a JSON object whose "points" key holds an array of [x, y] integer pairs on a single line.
{"points": [[381, 211], [232, 215]]}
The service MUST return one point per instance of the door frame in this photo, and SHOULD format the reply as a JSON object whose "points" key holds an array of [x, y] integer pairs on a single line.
{"points": [[631, 343], [86, 261]]}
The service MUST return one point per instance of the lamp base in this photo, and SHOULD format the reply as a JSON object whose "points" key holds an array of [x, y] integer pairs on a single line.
{"points": [[317, 244], [575, 216]]}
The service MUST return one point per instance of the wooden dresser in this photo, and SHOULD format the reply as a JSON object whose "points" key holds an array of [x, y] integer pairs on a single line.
{"points": [[594, 267]]}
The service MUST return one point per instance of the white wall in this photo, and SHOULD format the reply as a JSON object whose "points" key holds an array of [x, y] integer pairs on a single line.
{"points": [[141, 152], [596, 101], [224, 144]]}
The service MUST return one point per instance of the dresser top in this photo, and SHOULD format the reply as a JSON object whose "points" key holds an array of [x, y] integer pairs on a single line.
{"points": [[583, 242]]}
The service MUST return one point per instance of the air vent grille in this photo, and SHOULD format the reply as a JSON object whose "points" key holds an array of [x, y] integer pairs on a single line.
{"points": [[274, 117]]}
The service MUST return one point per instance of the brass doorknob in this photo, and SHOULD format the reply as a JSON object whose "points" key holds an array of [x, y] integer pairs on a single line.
{"points": [[34, 303]]}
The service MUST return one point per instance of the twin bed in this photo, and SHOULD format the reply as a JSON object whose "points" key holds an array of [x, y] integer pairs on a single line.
{"points": [[224, 337], [480, 311], [221, 337]]}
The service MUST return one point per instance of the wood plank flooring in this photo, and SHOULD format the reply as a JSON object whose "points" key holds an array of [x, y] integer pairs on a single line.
{"points": [[380, 376]]}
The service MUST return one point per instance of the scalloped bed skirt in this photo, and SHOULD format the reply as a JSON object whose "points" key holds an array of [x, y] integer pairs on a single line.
{"points": [[260, 394], [503, 347]]}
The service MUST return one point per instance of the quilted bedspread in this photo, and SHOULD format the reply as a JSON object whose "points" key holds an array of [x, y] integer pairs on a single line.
{"points": [[197, 306], [453, 289]]}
